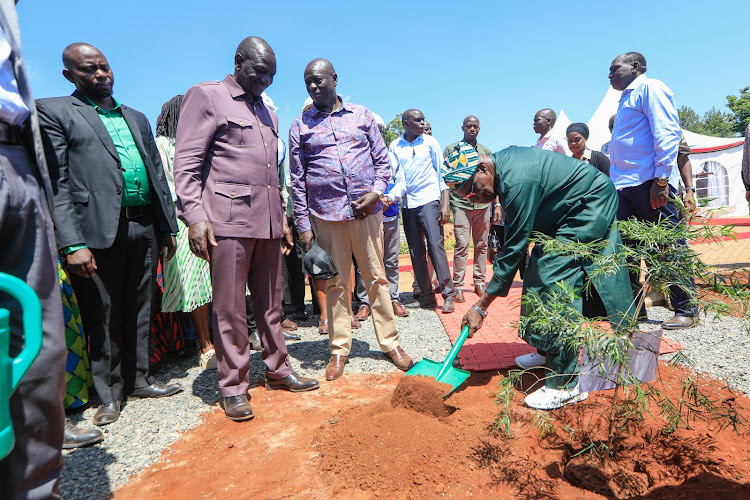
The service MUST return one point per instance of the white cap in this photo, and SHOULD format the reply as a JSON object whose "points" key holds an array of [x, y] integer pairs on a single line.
{"points": [[308, 102], [268, 101], [379, 121]]}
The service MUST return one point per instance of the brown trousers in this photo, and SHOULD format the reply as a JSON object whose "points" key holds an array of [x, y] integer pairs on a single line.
{"points": [[363, 238]]}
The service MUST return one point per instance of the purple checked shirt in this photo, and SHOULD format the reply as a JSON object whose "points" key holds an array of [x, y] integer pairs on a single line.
{"points": [[335, 159]]}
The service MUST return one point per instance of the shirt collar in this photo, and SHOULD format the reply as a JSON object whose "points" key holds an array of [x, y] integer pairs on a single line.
{"points": [[344, 107], [586, 156], [236, 90], [418, 140], [101, 110], [641, 79]]}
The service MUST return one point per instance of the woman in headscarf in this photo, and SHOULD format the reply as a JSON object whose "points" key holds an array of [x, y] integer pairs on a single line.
{"points": [[578, 134]]}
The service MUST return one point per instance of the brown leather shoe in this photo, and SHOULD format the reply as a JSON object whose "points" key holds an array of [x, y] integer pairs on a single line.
{"points": [[355, 322], [323, 327], [107, 413], [292, 383], [480, 288], [288, 325], [460, 296], [237, 408], [678, 322], [363, 312], [398, 309], [335, 367], [402, 360], [449, 305]]}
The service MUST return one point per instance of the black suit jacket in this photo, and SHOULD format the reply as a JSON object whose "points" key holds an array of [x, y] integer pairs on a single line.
{"points": [[86, 172]]}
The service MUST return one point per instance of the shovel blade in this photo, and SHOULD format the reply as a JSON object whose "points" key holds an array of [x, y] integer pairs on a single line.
{"points": [[452, 376]]}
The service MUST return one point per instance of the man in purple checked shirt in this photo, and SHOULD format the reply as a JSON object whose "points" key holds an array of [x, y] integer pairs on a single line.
{"points": [[339, 167]]}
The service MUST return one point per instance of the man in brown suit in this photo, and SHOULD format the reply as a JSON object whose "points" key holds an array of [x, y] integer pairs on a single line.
{"points": [[227, 186]]}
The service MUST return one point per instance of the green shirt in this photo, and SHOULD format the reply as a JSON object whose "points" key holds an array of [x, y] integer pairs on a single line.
{"points": [[460, 202], [136, 190]]}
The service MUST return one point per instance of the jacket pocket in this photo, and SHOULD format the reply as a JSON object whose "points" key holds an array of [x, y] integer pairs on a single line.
{"points": [[239, 132], [81, 197], [232, 203]]}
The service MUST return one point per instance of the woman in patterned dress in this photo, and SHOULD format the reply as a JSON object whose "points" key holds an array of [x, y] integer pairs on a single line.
{"points": [[187, 279]]}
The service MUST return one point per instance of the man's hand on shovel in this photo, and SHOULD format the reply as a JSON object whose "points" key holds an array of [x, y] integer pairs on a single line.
{"points": [[473, 318]]}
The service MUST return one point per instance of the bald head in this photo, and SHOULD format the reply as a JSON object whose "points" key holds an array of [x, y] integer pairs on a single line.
{"points": [[544, 120], [321, 80], [254, 65], [413, 121], [74, 51], [88, 69], [471, 129]]}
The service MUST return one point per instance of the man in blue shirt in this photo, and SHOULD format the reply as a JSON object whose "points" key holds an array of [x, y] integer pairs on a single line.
{"points": [[426, 206], [643, 151]]}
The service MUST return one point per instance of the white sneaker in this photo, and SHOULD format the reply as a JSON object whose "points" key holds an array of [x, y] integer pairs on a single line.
{"points": [[208, 360], [528, 361], [547, 398]]}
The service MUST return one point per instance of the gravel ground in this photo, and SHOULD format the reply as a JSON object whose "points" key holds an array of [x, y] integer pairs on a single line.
{"points": [[147, 426], [720, 347]]}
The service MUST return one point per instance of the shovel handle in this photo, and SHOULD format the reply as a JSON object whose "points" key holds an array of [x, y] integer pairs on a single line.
{"points": [[448, 362], [32, 325]]}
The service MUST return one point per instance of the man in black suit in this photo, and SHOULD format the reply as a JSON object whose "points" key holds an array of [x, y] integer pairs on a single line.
{"points": [[113, 213]]}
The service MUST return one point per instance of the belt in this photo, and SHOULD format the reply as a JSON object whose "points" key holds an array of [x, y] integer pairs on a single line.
{"points": [[10, 135], [135, 212]]}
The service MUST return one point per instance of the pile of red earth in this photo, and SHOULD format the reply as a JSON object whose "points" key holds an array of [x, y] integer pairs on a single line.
{"points": [[415, 445]]}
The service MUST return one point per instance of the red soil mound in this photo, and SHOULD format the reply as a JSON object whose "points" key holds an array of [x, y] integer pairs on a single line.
{"points": [[422, 394], [347, 440]]}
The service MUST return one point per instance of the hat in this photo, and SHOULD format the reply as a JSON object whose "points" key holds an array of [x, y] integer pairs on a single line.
{"points": [[268, 102], [318, 264], [308, 103], [378, 120], [460, 164]]}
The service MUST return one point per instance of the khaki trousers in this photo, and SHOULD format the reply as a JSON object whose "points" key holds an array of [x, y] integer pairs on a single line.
{"points": [[467, 224], [364, 239]]}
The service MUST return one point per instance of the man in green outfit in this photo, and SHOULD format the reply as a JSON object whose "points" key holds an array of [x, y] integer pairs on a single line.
{"points": [[561, 197], [470, 221]]}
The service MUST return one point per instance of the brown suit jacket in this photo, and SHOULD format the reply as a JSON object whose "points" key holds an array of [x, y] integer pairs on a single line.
{"points": [[225, 166]]}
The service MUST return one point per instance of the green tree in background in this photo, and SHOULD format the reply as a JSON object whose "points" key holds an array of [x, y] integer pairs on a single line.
{"points": [[393, 130], [740, 106], [714, 122]]}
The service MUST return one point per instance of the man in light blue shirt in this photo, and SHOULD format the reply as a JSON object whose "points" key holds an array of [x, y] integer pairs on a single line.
{"points": [[643, 152], [425, 208]]}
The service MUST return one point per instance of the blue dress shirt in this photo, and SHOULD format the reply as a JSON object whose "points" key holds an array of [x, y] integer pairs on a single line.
{"points": [[646, 134], [420, 162]]}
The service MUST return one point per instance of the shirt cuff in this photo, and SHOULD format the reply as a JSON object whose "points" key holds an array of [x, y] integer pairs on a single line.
{"points": [[303, 225], [73, 248], [193, 216], [379, 185]]}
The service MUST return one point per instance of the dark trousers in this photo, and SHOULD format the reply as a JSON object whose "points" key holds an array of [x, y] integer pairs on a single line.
{"points": [[116, 308], [424, 222], [28, 251], [296, 281], [635, 202]]}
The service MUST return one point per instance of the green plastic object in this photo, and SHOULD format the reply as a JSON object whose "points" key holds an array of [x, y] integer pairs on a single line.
{"points": [[12, 370], [445, 372]]}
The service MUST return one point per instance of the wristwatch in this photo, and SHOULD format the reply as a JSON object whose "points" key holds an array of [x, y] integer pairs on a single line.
{"points": [[483, 314], [378, 192], [662, 181], [690, 188]]}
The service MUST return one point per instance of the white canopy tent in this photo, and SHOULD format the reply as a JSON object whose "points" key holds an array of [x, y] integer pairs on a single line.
{"points": [[716, 161]]}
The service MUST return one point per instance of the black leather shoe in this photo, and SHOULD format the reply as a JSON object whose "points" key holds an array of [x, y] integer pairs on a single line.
{"points": [[291, 336], [678, 322], [255, 344], [156, 390], [237, 408], [75, 437], [292, 383], [107, 413]]}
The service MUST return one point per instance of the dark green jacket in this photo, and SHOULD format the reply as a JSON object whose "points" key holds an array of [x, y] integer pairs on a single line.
{"points": [[546, 192]]}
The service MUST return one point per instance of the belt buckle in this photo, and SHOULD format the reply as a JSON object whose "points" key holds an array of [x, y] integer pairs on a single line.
{"points": [[132, 212]]}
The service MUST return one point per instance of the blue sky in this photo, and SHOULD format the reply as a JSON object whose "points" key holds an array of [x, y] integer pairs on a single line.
{"points": [[499, 60]]}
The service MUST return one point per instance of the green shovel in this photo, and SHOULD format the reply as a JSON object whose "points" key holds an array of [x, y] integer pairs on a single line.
{"points": [[445, 372]]}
